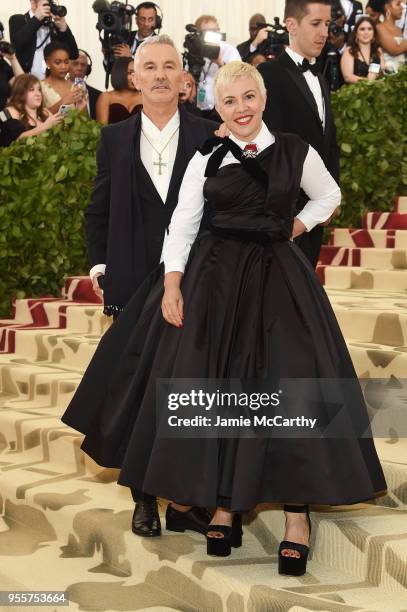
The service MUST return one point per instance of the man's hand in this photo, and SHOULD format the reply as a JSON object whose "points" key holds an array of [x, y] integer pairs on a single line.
{"points": [[260, 37], [172, 305], [96, 287], [298, 228], [222, 131], [122, 50], [43, 10], [60, 23], [335, 213]]}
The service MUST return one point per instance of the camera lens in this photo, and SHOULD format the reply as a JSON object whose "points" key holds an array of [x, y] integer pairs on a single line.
{"points": [[108, 20], [6, 47]]}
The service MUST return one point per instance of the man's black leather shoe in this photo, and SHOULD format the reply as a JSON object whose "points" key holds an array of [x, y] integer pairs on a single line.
{"points": [[195, 519], [146, 520]]}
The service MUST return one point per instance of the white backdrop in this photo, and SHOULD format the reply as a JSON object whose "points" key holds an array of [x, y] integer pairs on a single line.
{"points": [[233, 16]]}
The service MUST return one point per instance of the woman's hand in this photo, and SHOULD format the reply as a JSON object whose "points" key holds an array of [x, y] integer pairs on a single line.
{"points": [[222, 131], [72, 97], [298, 228], [172, 304], [52, 120]]}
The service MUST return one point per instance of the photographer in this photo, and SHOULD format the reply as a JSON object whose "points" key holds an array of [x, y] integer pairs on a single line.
{"points": [[30, 33], [147, 22], [8, 70], [328, 63], [249, 48], [228, 53]]}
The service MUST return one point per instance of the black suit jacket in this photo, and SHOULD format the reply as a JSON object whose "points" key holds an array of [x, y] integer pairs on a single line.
{"points": [[244, 50], [291, 107], [93, 98], [115, 227], [23, 35]]}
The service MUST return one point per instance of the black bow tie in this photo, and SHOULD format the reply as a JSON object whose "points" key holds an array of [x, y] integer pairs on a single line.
{"points": [[307, 66]]}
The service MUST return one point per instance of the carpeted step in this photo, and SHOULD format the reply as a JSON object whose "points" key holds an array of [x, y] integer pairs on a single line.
{"points": [[385, 220], [62, 347], [401, 204], [356, 555], [384, 327], [369, 238], [337, 277], [79, 289], [366, 257], [372, 360]]}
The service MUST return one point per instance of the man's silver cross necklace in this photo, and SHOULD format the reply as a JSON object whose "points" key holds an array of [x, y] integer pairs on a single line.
{"points": [[160, 163]]}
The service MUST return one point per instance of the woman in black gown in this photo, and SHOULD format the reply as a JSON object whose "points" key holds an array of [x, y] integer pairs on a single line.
{"points": [[242, 303]]}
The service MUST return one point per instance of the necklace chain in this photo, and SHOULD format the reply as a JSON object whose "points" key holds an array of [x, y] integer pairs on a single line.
{"points": [[159, 153]]}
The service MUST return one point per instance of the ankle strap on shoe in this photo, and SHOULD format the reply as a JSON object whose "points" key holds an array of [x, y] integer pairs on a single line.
{"points": [[300, 509]]}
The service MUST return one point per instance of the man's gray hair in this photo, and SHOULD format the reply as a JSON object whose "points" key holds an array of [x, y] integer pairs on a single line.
{"points": [[161, 39]]}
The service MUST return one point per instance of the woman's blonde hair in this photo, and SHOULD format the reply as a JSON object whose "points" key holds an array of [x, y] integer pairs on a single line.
{"points": [[236, 70]]}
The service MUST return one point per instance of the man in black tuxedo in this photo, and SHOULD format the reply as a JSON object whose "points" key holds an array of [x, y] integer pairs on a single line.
{"points": [[30, 33], [298, 100], [141, 163], [351, 9]]}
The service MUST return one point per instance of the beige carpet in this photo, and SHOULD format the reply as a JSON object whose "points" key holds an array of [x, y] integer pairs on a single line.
{"points": [[65, 523]]}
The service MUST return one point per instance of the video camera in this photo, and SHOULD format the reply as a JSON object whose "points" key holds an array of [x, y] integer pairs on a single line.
{"points": [[276, 40], [114, 25], [198, 46], [5, 47]]}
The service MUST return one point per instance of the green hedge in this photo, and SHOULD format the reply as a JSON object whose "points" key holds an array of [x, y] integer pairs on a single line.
{"points": [[371, 123], [45, 183]]}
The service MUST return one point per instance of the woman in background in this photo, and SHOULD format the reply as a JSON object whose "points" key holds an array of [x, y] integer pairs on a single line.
{"points": [[57, 89], [124, 101], [390, 37], [25, 114], [363, 58]]}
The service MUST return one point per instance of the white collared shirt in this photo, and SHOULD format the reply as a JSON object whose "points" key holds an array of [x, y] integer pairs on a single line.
{"points": [[39, 65], [165, 140], [316, 182], [138, 40], [312, 82], [158, 138]]}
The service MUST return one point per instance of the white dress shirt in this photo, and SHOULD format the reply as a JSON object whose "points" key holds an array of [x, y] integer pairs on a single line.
{"points": [[316, 181], [312, 82], [39, 65], [228, 53], [149, 157]]}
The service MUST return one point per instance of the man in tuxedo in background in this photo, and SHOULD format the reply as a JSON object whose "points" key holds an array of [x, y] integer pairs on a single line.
{"points": [[140, 166], [81, 68], [298, 99], [351, 9]]}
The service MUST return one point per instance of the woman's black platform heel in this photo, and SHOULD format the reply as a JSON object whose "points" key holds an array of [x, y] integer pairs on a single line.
{"points": [[232, 536], [294, 566]]}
